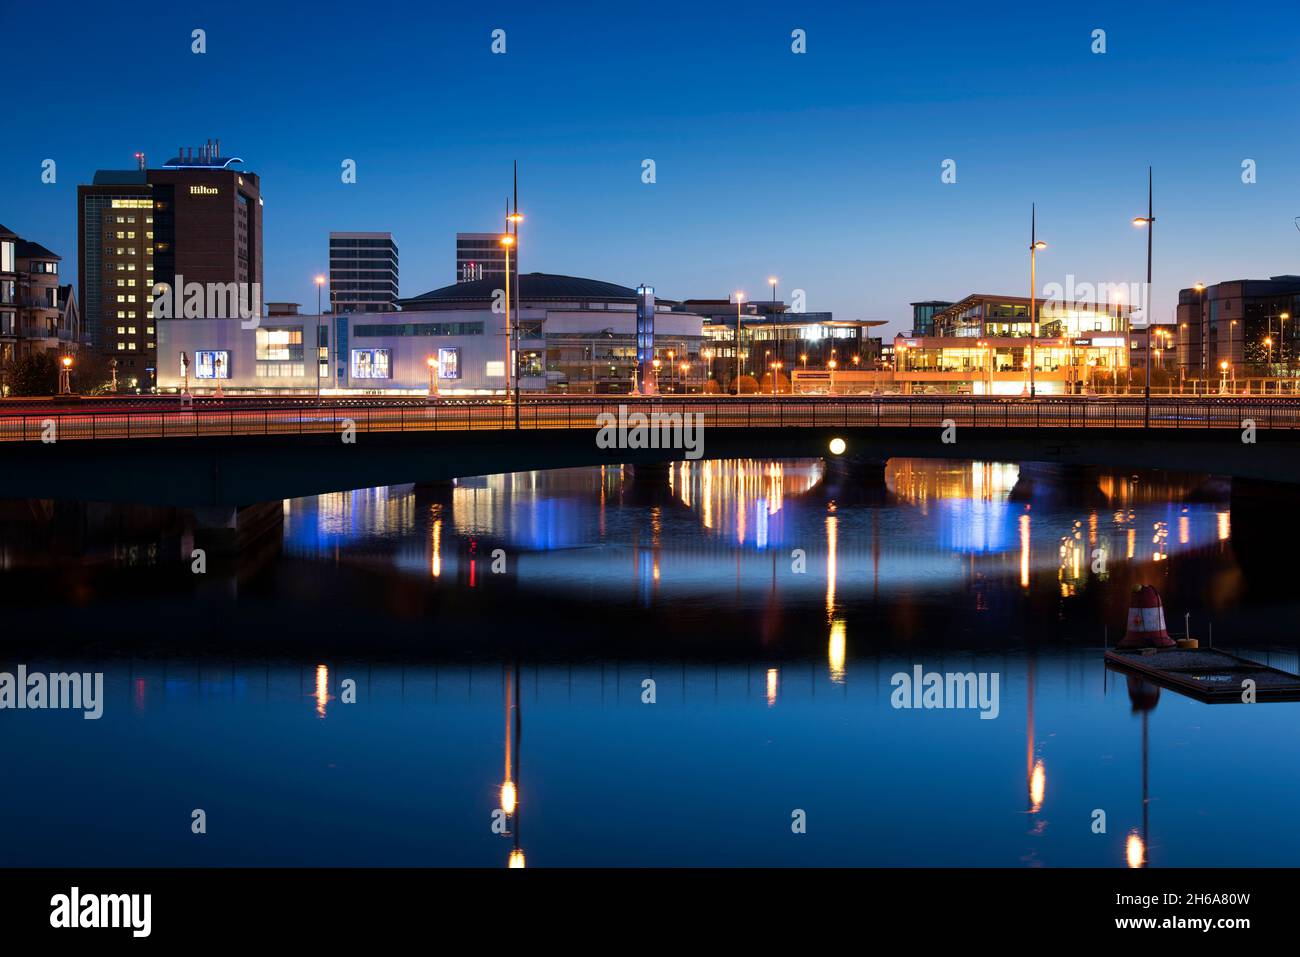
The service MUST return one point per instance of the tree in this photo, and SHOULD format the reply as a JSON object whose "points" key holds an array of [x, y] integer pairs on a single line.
{"points": [[36, 373], [91, 373]]}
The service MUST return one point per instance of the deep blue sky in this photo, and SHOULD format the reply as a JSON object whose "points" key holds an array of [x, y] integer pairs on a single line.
{"points": [[822, 168]]}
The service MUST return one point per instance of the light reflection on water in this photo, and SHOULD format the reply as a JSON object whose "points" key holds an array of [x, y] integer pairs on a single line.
{"points": [[940, 526], [768, 606]]}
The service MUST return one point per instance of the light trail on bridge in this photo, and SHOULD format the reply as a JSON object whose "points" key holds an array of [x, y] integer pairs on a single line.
{"points": [[989, 413]]}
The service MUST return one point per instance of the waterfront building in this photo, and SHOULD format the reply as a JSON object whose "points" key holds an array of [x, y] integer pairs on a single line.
{"points": [[363, 272], [38, 313], [771, 333], [1246, 323], [197, 217], [569, 335], [923, 315], [981, 345], [8, 299]]}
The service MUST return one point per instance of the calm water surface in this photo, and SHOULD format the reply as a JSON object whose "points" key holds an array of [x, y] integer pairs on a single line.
{"points": [[769, 605]]}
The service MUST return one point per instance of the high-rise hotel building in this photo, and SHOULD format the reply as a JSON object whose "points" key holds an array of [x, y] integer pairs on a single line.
{"points": [[196, 217], [481, 256], [363, 272]]}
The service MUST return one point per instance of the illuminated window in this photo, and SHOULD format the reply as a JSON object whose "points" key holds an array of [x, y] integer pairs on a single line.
{"points": [[121, 345], [370, 364], [279, 343]]}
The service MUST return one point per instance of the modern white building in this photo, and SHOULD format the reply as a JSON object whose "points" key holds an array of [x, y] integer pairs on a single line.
{"points": [[567, 335]]}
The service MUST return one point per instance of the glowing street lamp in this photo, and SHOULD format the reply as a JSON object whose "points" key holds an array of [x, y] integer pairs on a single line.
{"points": [[1035, 244], [1148, 221], [432, 363], [507, 241], [65, 375], [1281, 337], [320, 283], [740, 297], [771, 281]]}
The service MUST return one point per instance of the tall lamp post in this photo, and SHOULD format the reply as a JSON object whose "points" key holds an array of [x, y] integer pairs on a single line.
{"points": [[1034, 245], [1232, 356], [1149, 221], [1281, 341], [320, 281], [771, 281], [515, 219], [740, 297], [1199, 288], [506, 242]]}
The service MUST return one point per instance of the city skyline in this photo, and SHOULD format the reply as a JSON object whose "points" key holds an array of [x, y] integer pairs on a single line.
{"points": [[821, 168]]}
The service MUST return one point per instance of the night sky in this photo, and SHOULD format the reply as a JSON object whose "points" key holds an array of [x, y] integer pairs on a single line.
{"points": [[822, 168]]}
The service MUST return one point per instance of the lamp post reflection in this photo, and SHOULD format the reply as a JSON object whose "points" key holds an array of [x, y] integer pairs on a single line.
{"points": [[322, 689], [1035, 770], [1144, 696], [509, 789]]}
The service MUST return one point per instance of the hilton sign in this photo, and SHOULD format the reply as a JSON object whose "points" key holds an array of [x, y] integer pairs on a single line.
{"points": [[203, 191]]}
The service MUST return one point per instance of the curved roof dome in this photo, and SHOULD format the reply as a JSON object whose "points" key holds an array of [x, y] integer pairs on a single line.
{"points": [[533, 287]]}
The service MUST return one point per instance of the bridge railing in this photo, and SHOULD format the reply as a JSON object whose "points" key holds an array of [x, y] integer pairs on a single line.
{"points": [[83, 425]]}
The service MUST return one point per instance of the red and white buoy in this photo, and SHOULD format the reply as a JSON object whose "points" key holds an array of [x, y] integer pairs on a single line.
{"points": [[1146, 621]]}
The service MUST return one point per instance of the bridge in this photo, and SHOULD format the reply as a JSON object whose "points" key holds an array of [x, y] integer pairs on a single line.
{"points": [[237, 452]]}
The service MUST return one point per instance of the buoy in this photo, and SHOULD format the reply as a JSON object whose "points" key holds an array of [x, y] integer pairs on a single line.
{"points": [[1146, 621]]}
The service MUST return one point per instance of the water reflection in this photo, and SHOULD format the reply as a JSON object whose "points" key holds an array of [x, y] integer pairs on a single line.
{"points": [[771, 608], [409, 775], [584, 528]]}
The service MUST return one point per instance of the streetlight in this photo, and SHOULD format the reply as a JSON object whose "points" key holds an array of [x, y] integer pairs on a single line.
{"points": [[65, 375], [1149, 221], [1232, 356], [1035, 244], [771, 281], [686, 385], [1281, 337], [320, 282], [831, 365], [656, 363], [506, 242], [433, 382], [515, 219], [739, 298]]}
